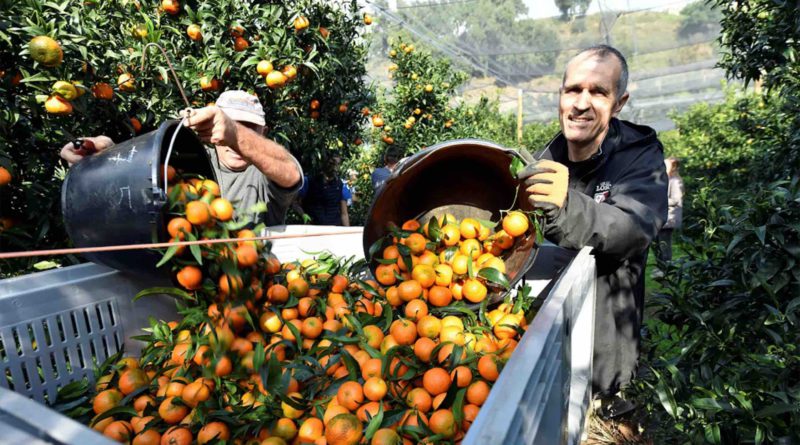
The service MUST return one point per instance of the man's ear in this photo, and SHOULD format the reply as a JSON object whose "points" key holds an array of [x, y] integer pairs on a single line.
{"points": [[621, 103]]}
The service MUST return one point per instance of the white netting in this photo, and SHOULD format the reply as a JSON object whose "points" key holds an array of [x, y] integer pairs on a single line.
{"points": [[512, 45]]}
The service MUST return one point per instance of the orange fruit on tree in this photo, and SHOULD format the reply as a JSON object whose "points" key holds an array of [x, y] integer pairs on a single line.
{"points": [[442, 422], [368, 411], [105, 400], [195, 393], [375, 388], [143, 402], [474, 290], [471, 248], [323, 31], [194, 32], [301, 23], [171, 6], [310, 430], [213, 431], [344, 429], [276, 79], [289, 71], [57, 105], [132, 379], [436, 381], [177, 435], [374, 335], [126, 83], [209, 83], [119, 430], [403, 331], [223, 367], [264, 67], [477, 392], [515, 223], [350, 395], [46, 51], [391, 253], [103, 91], [411, 225], [339, 283], [246, 255], [190, 277], [5, 176], [240, 44]]}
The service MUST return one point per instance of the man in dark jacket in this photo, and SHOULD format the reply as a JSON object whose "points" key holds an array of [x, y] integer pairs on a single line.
{"points": [[602, 183]]}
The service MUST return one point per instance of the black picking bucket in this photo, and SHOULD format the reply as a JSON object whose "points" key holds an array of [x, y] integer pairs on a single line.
{"points": [[463, 177], [118, 196]]}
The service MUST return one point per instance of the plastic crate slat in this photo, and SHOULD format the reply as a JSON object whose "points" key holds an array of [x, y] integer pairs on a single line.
{"points": [[58, 349]]}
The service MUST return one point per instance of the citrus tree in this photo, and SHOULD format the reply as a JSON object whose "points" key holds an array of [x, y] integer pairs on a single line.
{"points": [[76, 68]]}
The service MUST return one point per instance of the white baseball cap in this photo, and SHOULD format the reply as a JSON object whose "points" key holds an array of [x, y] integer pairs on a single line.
{"points": [[241, 106]]}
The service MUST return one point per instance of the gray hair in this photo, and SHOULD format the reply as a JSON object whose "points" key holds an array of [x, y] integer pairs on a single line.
{"points": [[603, 51]]}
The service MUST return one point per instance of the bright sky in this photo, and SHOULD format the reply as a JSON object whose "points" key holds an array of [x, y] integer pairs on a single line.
{"points": [[547, 8]]}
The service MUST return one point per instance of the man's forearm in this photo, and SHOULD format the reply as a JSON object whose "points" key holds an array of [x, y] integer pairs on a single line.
{"points": [[345, 215], [271, 158]]}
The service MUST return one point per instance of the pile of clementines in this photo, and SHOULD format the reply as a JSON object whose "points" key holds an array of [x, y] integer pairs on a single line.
{"points": [[307, 352]]}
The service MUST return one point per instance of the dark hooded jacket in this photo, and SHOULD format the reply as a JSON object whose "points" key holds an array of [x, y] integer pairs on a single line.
{"points": [[616, 203]]}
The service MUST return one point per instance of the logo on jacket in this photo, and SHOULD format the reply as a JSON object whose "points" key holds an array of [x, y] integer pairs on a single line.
{"points": [[602, 191]]}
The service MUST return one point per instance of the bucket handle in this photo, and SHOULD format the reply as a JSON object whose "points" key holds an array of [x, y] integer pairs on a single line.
{"points": [[169, 152]]}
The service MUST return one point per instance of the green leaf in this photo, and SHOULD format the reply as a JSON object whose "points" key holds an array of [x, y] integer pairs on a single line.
{"points": [[516, 167], [168, 255], [127, 410], [777, 409], [171, 291], [374, 423], [712, 433], [495, 276]]}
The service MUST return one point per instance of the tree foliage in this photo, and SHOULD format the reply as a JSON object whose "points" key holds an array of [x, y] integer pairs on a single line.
{"points": [[571, 8]]}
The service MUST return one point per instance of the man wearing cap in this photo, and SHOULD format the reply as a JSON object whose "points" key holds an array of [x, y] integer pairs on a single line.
{"points": [[249, 167]]}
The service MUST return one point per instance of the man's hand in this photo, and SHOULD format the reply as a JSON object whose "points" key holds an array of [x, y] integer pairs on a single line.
{"points": [[547, 183], [212, 125], [72, 153]]}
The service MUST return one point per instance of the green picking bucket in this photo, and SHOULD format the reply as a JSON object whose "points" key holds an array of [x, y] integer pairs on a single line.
{"points": [[463, 177]]}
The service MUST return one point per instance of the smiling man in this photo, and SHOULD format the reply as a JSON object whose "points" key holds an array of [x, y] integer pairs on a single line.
{"points": [[601, 183]]}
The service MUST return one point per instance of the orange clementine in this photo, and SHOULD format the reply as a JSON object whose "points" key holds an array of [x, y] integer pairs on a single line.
{"points": [[105, 400], [515, 223], [344, 429], [119, 430], [350, 395], [416, 309], [375, 388], [170, 412], [462, 375], [310, 430], [419, 399], [436, 381], [442, 422], [423, 348], [409, 290], [416, 243], [487, 367], [477, 392], [213, 431], [474, 290], [403, 331]]}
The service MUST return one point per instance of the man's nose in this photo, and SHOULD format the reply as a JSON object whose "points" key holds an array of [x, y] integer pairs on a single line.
{"points": [[583, 101]]}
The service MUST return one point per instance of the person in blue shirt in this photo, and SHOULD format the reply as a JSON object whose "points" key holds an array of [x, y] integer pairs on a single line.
{"points": [[390, 159], [324, 197]]}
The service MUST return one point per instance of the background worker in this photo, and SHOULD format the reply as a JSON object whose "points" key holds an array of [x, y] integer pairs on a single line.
{"points": [[250, 168], [601, 183], [390, 159], [675, 213]]}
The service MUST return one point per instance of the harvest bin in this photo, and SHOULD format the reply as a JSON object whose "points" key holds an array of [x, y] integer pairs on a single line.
{"points": [[55, 325]]}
